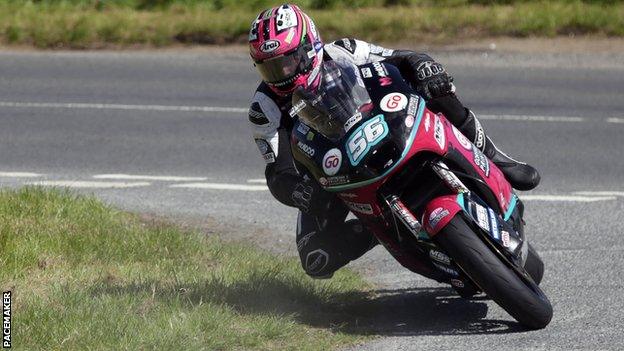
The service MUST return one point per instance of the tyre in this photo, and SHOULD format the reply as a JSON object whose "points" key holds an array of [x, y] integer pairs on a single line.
{"points": [[534, 265], [521, 298]]}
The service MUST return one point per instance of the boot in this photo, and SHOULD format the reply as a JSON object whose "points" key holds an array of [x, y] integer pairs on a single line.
{"points": [[520, 175]]}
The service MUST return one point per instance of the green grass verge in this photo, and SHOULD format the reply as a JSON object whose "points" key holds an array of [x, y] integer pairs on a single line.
{"points": [[86, 276], [93, 24]]}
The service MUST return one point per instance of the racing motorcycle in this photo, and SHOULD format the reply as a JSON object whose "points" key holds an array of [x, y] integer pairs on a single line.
{"points": [[434, 200]]}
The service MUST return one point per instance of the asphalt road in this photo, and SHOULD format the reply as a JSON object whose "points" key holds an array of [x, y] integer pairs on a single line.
{"points": [[165, 133]]}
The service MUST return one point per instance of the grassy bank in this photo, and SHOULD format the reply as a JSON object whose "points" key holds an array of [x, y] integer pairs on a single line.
{"points": [[87, 276], [93, 24]]}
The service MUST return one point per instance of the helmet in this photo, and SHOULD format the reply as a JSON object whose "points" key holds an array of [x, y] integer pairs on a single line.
{"points": [[286, 49]]}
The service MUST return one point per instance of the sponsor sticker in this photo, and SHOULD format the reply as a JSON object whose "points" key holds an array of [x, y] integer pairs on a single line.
{"points": [[348, 195], [352, 121], [412, 106], [438, 132], [270, 46], [338, 180], [297, 108], [269, 157], [366, 72], [307, 149], [376, 49], [409, 121], [359, 207], [380, 69], [427, 122], [483, 218], [303, 129], [446, 269], [440, 257], [332, 161], [436, 216], [457, 283], [494, 224], [310, 136], [393, 102], [505, 238], [286, 18], [462, 139], [385, 81], [481, 161], [263, 146]]}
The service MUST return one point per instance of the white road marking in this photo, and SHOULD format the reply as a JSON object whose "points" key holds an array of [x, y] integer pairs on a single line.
{"points": [[258, 181], [567, 198], [149, 177], [532, 118], [89, 185], [221, 186], [600, 193], [20, 174], [97, 106], [615, 120], [226, 109]]}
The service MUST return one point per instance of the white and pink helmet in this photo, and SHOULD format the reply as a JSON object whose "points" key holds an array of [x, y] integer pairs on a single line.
{"points": [[286, 48]]}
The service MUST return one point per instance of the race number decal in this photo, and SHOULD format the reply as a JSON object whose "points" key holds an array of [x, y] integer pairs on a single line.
{"points": [[332, 162], [366, 136], [393, 102]]}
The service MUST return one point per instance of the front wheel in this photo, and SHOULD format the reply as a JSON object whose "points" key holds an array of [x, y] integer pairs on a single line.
{"points": [[521, 298]]}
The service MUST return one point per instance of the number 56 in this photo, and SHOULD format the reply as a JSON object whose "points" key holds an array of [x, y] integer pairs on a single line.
{"points": [[366, 136]]}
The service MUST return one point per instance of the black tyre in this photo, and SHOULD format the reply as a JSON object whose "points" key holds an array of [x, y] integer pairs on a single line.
{"points": [[521, 298], [534, 265]]}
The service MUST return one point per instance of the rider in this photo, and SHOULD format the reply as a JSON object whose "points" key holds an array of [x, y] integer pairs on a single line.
{"points": [[288, 53]]}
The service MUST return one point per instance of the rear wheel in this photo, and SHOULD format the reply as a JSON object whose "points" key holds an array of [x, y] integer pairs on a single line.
{"points": [[521, 298]]}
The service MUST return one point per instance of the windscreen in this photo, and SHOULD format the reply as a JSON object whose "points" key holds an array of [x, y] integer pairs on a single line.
{"points": [[336, 104]]}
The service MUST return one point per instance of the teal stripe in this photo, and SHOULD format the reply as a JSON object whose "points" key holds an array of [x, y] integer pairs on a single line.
{"points": [[460, 201], [421, 110], [512, 206]]}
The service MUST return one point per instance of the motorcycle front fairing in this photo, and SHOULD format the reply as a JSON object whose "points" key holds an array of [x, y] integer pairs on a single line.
{"points": [[368, 142]]}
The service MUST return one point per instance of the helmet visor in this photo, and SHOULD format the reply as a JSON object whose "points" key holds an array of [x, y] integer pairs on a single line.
{"points": [[282, 70]]}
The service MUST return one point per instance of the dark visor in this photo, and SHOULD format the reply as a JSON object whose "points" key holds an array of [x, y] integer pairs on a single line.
{"points": [[279, 70]]}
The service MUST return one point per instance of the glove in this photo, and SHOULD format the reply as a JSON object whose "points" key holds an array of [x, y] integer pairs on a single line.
{"points": [[310, 198], [432, 81]]}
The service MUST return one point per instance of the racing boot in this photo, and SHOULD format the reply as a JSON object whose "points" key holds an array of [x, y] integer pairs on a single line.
{"points": [[520, 175]]}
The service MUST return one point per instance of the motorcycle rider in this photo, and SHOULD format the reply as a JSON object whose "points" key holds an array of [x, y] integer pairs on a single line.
{"points": [[288, 53]]}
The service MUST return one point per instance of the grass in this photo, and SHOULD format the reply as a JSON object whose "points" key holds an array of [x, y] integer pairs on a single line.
{"points": [[122, 23], [85, 275]]}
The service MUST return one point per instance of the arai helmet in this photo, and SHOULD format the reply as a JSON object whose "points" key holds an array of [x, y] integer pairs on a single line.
{"points": [[286, 48]]}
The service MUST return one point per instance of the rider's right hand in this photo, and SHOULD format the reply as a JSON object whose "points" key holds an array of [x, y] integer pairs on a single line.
{"points": [[310, 198]]}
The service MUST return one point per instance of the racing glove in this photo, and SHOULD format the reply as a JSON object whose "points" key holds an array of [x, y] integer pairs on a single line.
{"points": [[310, 198], [432, 81]]}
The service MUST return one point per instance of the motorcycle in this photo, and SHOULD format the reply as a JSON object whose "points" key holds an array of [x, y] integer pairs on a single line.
{"points": [[438, 205]]}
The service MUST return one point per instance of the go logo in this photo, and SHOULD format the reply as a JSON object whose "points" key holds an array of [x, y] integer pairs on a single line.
{"points": [[332, 161], [393, 102]]}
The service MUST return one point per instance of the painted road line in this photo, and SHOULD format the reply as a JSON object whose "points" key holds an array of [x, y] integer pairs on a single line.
{"points": [[97, 106], [20, 175], [221, 186], [227, 109], [149, 177], [257, 181], [600, 193], [566, 198], [532, 118], [90, 185], [615, 120]]}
